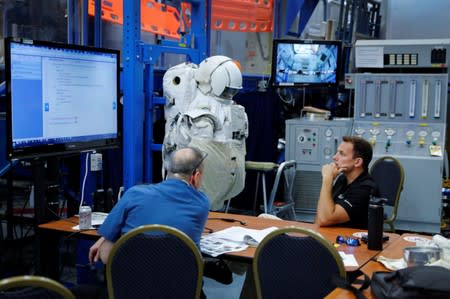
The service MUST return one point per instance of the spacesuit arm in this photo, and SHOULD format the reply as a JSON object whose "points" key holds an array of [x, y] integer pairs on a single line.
{"points": [[198, 124]]}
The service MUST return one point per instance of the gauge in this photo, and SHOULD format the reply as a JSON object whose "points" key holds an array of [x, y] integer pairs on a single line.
{"points": [[328, 132], [374, 131], [410, 133], [327, 151], [436, 134], [359, 131], [389, 132], [423, 133]]}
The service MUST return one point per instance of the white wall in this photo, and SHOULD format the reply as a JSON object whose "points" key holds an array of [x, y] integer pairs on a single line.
{"points": [[416, 19]]}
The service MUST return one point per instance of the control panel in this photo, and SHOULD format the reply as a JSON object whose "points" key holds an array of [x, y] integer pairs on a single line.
{"points": [[404, 115], [401, 97], [403, 139], [423, 53], [314, 143]]}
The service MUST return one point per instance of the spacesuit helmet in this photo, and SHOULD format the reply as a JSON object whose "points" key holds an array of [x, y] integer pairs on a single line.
{"points": [[219, 76]]}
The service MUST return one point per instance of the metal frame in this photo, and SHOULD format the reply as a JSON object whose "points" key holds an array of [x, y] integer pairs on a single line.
{"points": [[138, 85]]}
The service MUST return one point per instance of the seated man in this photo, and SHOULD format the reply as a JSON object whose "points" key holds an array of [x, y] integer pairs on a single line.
{"points": [[159, 203], [347, 185], [175, 202]]}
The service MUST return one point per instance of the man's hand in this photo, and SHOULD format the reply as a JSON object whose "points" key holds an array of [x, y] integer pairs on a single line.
{"points": [[330, 171], [94, 252]]}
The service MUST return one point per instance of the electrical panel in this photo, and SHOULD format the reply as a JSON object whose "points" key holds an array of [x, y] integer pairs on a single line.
{"points": [[312, 143]]}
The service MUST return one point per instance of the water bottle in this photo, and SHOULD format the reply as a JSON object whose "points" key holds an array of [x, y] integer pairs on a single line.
{"points": [[375, 227]]}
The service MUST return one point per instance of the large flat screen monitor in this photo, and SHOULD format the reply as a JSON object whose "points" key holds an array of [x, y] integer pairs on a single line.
{"points": [[60, 98], [305, 63]]}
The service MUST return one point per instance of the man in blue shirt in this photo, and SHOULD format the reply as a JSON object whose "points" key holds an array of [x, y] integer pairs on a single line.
{"points": [[176, 202]]}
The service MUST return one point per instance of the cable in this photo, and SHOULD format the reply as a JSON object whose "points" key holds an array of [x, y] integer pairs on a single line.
{"points": [[119, 194], [229, 220], [84, 181]]}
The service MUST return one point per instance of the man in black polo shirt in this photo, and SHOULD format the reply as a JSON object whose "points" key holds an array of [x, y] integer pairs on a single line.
{"points": [[347, 185]]}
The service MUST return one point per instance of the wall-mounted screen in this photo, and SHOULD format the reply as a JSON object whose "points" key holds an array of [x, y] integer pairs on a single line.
{"points": [[60, 98], [300, 63]]}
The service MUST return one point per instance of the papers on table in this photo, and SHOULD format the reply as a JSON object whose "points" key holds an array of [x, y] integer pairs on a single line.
{"points": [[348, 259], [235, 238]]}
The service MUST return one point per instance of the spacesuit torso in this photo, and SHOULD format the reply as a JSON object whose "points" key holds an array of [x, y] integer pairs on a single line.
{"points": [[214, 124]]}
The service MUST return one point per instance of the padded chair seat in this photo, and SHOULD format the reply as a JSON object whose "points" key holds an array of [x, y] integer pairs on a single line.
{"points": [[261, 166], [33, 287], [294, 262], [154, 261]]}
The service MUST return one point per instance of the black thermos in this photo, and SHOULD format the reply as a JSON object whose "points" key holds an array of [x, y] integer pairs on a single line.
{"points": [[375, 227]]}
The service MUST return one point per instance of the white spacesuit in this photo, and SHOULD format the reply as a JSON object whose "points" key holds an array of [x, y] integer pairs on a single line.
{"points": [[200, 112]]}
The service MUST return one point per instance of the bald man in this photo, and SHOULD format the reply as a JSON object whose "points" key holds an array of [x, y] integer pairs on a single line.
{"points": [[175, 202]]}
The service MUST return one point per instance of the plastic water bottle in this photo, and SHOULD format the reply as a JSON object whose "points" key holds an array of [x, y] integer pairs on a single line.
{"points": [[375, 227]]}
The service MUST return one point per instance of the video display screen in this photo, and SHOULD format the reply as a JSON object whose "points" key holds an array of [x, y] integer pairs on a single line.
{"points": [[305, 63]]}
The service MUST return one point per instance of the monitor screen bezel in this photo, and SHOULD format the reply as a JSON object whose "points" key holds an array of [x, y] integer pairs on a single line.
{"points": [[56, 149], [273, 83]]}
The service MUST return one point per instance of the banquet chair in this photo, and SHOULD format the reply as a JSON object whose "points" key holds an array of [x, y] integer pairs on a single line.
{"points": [[154, 261], [33, 287], [294, 262], [389, 175]]}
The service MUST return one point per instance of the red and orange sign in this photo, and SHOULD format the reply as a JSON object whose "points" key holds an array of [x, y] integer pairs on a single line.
{"points": [[162, 19]]}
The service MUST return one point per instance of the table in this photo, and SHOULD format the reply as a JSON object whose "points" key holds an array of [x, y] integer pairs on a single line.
{"points": [[49, 234], [394, 251], [361, 253]]}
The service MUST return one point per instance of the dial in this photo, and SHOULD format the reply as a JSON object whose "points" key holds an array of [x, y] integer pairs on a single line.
{"points": [[301, 138], [328, 132]]}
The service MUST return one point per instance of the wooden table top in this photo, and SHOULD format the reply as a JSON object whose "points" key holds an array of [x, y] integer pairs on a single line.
{"points": [[394, 251], [215, 222], [65, 226], [361, 253]]}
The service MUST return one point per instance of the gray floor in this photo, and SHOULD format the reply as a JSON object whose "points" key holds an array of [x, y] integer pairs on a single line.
{"points": [[215, 290]]}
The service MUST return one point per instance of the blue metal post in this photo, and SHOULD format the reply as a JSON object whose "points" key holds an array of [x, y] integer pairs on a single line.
{"points": [[98, 23], [133, 96], [200, 28], [71, 21], [84, 22]]}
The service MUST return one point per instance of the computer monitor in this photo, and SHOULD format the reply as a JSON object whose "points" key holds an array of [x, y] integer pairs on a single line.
{"points": [[305, 63], [60, 98]]}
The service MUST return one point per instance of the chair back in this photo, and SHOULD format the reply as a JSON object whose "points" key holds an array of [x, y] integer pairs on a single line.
{"points": [[389, 175], [286, 173], [154, 261], [294, 262], [30, 286]]}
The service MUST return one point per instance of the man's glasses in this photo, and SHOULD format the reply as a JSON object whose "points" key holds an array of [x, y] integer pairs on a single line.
{"points": [[347, 240], [205, 154]]}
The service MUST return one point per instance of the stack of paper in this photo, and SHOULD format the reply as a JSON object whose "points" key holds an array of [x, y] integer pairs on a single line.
{"points": [[235, 238]]}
